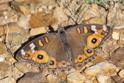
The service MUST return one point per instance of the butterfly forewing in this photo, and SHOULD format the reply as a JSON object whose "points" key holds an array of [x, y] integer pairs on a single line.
{"points": [[49, 43], [83, 39]]}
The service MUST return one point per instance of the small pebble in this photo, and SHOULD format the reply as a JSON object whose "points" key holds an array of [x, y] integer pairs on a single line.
{"points": [[121, 73], [2, 58]]}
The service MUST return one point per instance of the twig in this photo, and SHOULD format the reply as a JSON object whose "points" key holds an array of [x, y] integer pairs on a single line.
{"points": [[4, 77], [6, 39]]}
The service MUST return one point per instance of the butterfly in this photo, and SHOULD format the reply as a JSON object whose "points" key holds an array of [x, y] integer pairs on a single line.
{"points": [[68, 46]]}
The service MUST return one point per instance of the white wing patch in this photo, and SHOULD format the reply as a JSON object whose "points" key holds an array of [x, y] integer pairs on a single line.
{"points": [[23, 52], [32, 46], [93, 28]]}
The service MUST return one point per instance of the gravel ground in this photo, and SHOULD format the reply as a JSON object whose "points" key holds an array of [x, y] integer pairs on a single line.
{"points": [[21, 19]]}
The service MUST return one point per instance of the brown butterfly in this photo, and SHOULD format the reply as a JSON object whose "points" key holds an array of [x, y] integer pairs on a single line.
{"points": [[68, 46]]}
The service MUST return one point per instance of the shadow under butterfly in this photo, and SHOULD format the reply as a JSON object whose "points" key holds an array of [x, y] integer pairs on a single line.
{"points": [[68, 46]]}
